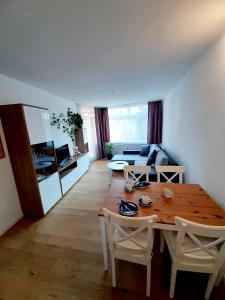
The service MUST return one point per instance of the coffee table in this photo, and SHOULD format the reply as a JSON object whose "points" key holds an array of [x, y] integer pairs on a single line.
{"points": [[116, 166]]}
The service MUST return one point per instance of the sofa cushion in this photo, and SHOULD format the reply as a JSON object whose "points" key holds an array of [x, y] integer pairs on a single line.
{"points": [[161, 159], [153, 147], [131, 152], [145, 150], [171, 161], [151, 158], [140, 162], [152, 175], [129, 158]]}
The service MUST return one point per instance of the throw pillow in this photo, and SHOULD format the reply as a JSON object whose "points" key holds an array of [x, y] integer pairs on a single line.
{"points": [[145, 150], [153, 147], [151, 158], [161, 159]]}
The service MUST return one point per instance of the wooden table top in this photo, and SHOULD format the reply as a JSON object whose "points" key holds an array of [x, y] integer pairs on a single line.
{"points": [[189, 201]]}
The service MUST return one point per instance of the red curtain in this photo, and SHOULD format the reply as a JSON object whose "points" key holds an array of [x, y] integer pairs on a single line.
{"points": [[102, 130], [155, 120]]}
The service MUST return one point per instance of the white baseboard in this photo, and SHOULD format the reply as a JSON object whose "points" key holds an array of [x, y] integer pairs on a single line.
{"points": [[8, 226]]}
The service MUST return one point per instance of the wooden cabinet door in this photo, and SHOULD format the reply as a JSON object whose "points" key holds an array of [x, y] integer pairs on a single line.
{"points": [[38, 125]]}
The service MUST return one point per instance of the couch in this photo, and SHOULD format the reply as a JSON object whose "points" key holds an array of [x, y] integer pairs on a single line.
{"points": [[139, 158]]}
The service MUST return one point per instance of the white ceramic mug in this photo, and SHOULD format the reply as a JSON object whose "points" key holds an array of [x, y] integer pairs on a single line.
{"points": [[167, 193], [129, 186], [145, 200]]}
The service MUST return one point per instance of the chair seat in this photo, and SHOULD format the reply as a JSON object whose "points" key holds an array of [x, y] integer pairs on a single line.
{"points": [[189, 244]]}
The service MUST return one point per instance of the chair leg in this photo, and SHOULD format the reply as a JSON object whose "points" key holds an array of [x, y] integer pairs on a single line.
{"points": [[220, 276], [113, 271], [173, 277], [148, 283], [211, 282], [162, 241], [104, 241]]}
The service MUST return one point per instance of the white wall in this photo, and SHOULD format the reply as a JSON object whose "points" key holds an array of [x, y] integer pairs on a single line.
{"points": [[13, 91], [194, 122]]}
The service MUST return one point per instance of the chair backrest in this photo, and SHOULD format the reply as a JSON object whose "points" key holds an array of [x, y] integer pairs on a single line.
{"points": [[207, 242], [143, 170], [175, 170], [123, 226]]}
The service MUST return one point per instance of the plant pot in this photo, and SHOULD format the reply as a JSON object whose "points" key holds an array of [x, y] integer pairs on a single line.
{"points": [[109, 156]]}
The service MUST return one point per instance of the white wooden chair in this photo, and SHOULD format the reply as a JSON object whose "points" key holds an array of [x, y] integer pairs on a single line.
{"points": [[130, 239], [221, 275], [177, 170], [161, 170], [196, 248], [130, 171]]}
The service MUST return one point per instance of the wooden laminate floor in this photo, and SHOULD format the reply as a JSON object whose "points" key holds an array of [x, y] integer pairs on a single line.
{"points": [[60, 256]]}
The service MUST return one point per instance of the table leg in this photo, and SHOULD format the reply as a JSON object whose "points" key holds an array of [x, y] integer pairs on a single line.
{"points": [[110, 175], [104, 242]]}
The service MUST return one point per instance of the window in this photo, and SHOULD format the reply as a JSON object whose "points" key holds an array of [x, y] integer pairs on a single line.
{"points": [[90, 132], [128, 124]]}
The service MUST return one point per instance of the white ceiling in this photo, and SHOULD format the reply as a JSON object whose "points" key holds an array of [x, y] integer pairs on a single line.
{"points": [[106, 52]]}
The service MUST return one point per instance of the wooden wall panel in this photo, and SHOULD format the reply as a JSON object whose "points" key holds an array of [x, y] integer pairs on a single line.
{"points": [[18, 144], [2, 153]]}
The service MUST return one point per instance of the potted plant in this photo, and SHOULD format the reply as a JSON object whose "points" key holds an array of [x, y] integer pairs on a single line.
{"points": [[108, 150], [70, 123]]}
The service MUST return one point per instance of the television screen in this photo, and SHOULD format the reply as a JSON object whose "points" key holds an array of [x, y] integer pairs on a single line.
{"points": [[62, 155], [44, 159]]}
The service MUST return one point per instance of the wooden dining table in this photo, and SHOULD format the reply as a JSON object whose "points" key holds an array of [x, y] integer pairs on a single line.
{"points": [[189, 201]]}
